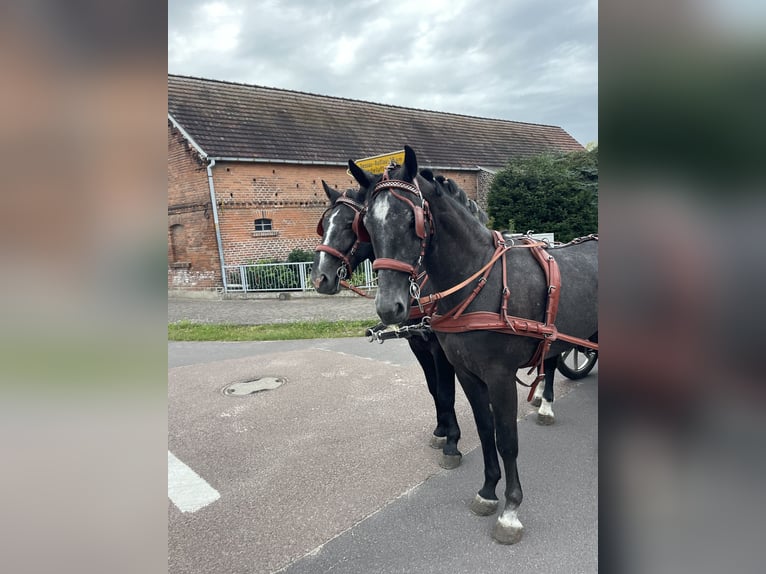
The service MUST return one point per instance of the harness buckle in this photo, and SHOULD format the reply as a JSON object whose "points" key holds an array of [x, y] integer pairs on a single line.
{"points": [[415, 293], [342, 272], [414, 289]]}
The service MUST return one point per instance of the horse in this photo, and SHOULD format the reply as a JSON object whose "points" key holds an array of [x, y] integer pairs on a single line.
{"points": [[344, 252], [336, 258], [489, 322]]}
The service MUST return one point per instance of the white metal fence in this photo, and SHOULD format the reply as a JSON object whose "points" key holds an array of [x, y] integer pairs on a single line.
{"points": [[286, 277]]}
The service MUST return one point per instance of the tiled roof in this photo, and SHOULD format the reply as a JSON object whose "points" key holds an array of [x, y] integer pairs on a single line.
{"points": [[252, 122]]}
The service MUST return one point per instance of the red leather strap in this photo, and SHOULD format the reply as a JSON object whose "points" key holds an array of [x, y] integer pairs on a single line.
{"points": [[335, 253], [356, 290], [394, 265], [488, 321]]}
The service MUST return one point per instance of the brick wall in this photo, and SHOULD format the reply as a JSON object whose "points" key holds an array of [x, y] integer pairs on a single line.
{"points": [[466, 180], [290, 195], [192, 252]]}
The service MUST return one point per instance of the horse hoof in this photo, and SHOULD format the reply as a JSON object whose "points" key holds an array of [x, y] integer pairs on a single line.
{"points": [[450, 461], [545, 419], [508, 529], [507, 535], [483, 507], [537, 401], [438, 441]]}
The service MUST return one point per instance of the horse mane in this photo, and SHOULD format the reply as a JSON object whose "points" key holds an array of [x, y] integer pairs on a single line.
{"points": [[454, 191]]}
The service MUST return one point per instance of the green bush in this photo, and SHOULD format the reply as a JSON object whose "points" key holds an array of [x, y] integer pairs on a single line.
{"points": [[300, 256], [277, 277], [549, 193], [358, 278]]}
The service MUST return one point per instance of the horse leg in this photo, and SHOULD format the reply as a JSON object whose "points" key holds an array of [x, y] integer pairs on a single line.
{"points": [[425, 359], [447, 433], [537, 397], [445, 393], [508, 528], [485, 502], [545, 414]]}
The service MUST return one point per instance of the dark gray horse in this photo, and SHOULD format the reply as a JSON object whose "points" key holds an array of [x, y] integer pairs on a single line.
{"points": [[412, 221], [339, 254], [342, 250]]}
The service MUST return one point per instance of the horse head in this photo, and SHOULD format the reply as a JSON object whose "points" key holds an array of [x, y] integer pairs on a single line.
{"points": [[397, 221], [341, 250]]}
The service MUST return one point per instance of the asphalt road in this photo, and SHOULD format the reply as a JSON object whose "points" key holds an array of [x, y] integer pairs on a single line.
{"points": [[332, 472]]}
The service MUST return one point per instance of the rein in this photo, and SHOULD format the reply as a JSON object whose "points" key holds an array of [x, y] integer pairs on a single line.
{"points": [[356, 290], [454, 321], [499, 252]]}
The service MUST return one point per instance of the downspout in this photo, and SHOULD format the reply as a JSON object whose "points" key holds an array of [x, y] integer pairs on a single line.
{"points": [[215, 222]]}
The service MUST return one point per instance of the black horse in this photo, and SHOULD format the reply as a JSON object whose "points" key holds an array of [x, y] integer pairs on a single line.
{"points": [[412, 221], [339, 254], [342, 251]]}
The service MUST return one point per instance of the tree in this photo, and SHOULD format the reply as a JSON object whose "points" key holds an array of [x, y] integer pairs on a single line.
{"points": [[549, 193]]}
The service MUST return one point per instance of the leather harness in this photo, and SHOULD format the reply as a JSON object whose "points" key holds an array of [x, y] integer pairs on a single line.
{"points": [[346, 270], [455, 320]]}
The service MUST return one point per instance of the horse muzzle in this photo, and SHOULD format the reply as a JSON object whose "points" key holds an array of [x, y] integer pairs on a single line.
{"points": [[324, 284], [392, 312]]}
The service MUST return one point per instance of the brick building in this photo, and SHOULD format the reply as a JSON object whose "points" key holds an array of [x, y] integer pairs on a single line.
{"points": [[248, 161]]}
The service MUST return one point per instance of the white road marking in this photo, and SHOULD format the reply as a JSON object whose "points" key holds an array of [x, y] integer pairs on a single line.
{"points": [[186, 489]]}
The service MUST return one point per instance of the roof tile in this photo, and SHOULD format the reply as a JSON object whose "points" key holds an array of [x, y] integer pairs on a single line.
{"points": [[252, 122]]}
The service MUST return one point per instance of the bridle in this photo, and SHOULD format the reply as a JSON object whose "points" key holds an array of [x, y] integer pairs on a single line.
{"points": [[421, 212], [346, 270]]}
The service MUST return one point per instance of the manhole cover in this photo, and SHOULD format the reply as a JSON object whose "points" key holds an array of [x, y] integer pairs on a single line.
{"points": [[254, 386]]}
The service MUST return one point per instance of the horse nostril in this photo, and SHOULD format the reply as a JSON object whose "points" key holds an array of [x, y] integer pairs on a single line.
{"points": [[399, 308], [318, 281]]}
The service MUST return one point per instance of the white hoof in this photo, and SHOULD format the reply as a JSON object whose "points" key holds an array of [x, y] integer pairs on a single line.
{"points": [[508, 528], [545, 413]]}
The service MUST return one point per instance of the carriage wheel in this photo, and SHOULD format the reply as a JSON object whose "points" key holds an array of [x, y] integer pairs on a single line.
{"points": [[577, 362]]}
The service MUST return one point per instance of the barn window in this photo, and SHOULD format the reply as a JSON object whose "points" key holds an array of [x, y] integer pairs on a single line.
{"points": [[263, 224]]}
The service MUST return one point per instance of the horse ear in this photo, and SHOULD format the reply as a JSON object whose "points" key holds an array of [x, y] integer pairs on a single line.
{"points": [[331, 194], [410, 162], [362, 177]]}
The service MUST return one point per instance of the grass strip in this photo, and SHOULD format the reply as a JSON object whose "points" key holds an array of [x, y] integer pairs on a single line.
{"points": [[188, 331]]}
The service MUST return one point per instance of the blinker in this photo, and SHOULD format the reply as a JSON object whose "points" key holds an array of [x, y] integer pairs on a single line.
{"points": [[359, 229]]}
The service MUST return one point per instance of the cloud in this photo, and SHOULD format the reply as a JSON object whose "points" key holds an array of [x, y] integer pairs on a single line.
{"points": [[523, 61], [210, 32]]}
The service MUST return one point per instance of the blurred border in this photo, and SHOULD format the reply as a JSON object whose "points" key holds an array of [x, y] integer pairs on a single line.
{"points": [[682, 257], [83, 304], [83, 420]]}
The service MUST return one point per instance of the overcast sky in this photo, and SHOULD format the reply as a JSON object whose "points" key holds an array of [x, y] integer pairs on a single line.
{"points": [[524, 60]]}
